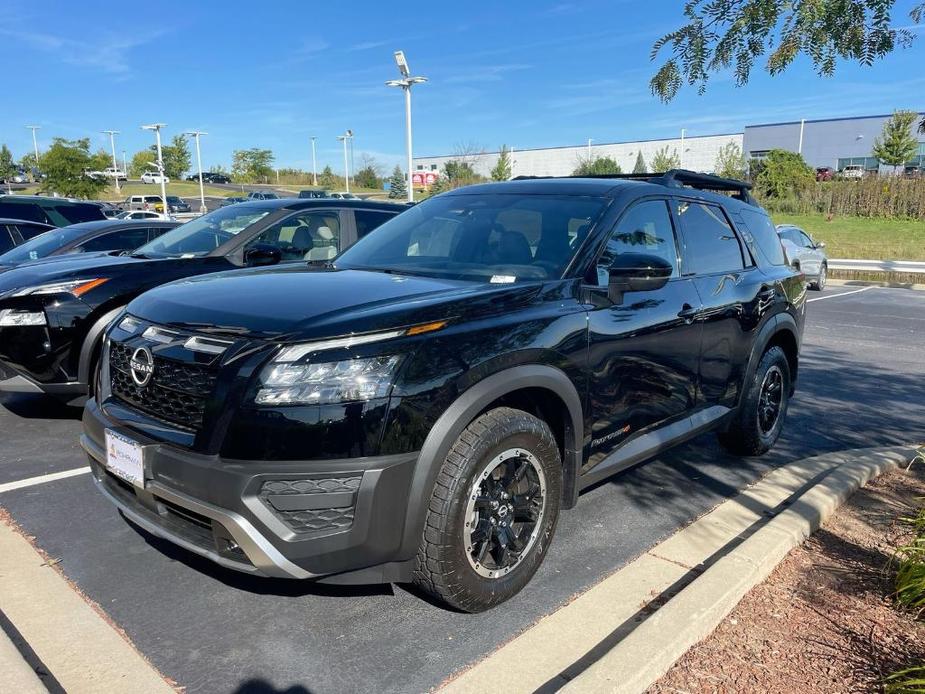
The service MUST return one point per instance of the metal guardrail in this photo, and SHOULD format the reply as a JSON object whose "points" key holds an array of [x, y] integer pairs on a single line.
{"points": [[904, 266]]}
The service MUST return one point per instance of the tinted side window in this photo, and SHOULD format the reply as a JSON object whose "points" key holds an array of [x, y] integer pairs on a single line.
{"points": [[645, 228], [123, 240], [34, 213], [367, 220], [154, 232], [27, 231], [80, 213], [6, 241], [765, 235], [805, 241], [710, 243]]}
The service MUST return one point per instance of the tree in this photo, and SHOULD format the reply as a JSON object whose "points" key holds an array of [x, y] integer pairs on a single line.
{"points": [[458, 171], [729, 162], [27, 163], [502, 170], [662, 161], [723, 34], [7, 164], [176, 157], [597, 167], [142, 161], [370, 175], [252, 165], [65, 164], [441, 185], [897, 144], [640, 166], [783, 174], [398, 186], [100, 160], [327, 179]]}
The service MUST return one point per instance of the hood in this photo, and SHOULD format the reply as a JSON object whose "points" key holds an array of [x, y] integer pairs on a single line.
{"points": [[292, 304], [64, 257]]}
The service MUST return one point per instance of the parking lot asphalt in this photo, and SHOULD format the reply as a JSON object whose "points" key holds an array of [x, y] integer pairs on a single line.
{"points": [[862, 369]]}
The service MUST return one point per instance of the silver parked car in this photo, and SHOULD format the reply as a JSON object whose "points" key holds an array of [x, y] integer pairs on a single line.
{"points": [[805, 254]]}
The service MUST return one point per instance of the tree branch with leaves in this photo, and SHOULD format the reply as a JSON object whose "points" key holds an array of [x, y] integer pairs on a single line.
{"points": [[733, 34]]}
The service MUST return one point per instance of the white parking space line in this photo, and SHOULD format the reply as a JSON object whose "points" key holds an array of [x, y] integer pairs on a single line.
{"points": [[834, 296], [41, 479]]}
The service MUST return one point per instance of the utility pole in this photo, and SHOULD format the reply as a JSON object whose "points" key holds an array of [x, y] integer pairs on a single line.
{"points": [[202, 194], [345, 138], [115, 166], [589, 148], [800, 146], [314, 164], [681, 155], [35, 147], [156, 127], [405, 83]]}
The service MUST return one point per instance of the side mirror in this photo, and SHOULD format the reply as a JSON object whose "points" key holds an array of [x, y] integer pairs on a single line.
{"points": [[637, 272], [820, 244], [262, 254]]}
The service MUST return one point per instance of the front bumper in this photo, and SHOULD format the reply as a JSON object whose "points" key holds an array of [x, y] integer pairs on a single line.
{"points": [[292, 519]]}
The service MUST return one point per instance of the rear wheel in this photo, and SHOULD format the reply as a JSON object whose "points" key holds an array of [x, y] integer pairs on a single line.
{"points": [[493, 511], [819, 284], [760, 418]]}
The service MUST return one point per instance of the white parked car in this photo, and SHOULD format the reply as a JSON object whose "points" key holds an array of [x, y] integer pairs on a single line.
{"points": [[343, 196], [853, 171], [110, 173], [151, 177], [144, 202], [144, 214]]}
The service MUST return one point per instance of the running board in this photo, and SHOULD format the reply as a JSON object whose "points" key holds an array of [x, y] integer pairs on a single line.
{"points": [[653, 443]]}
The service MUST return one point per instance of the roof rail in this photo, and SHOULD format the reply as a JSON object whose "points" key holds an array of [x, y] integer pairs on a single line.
{"points": [[679, 178]]}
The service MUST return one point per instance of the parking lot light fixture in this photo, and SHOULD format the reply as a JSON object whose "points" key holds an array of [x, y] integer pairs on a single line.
{"points": [[202, 195], [115, 166], [314, 164], [345, 138], [156, 127], [405, 83], [35, 146]]}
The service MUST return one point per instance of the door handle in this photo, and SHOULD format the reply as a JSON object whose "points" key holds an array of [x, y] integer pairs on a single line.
{"points": [[688, 313]]}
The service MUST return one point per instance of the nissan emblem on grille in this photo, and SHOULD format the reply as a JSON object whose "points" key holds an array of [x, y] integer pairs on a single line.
{"points": [[141, 366]]}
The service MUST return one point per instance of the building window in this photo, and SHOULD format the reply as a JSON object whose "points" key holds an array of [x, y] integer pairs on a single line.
{"points": [[433, 167], [420, 167], [759, 153]]}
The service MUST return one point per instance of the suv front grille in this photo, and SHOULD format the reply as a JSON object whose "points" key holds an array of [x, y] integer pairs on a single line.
{"points": [[176, 394]]}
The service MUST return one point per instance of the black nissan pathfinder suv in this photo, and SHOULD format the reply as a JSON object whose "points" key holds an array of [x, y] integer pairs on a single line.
{"points": [[422, 407]]}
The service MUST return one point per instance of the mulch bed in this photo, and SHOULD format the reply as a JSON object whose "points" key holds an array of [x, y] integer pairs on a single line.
{"points": [[824, 620]]}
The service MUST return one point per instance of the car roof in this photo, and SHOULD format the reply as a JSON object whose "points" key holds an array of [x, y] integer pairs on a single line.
{"points": [[303, 203], [105, 224], [13, 220], [594, 186], [44, 199]]}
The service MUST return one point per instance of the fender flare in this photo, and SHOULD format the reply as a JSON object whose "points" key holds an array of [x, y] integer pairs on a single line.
{"points": [[461, 413], [94, 334], [779, 322]]}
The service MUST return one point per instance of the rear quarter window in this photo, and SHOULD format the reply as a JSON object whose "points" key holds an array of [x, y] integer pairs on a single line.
{"points": [[765, 235], [29, 211]]}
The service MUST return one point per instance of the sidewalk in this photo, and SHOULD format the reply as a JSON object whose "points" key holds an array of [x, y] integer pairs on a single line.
{"points": [[45, 623], [624, 633]]}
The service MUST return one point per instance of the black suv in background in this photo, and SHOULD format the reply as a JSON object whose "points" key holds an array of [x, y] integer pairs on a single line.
{"points": [[57, 212], [423, 407], [52, 314]]}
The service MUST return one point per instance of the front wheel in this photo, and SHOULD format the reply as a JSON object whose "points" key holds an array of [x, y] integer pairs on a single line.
{"points": [[759, 420], [492, 513]]}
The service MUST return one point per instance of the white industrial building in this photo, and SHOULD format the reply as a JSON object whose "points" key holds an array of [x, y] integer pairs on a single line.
{"points": [[696, 153]]}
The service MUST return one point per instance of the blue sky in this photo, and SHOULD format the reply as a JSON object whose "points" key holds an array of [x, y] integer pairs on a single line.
{"points": [[526, 74]]}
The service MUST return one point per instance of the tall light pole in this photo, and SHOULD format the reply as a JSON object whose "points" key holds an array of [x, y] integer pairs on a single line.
{"points": [[115, 166], [589, 148], [124, 167], [35, 146], [681, 156], [156, 127], [800, 146], [406, 83], [314, 164], [202, 194], [345, 138]]}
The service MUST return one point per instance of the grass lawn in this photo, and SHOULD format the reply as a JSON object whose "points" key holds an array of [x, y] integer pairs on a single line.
{"points": [[860, 237], [184, 189]]}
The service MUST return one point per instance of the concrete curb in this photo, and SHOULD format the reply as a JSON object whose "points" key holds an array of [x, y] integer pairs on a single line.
{"points": [[833, 282], [15, 673], [78, 647], [626, 632]]}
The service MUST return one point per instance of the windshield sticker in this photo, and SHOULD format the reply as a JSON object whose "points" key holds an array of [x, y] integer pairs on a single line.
{"points": [[503, 279]]}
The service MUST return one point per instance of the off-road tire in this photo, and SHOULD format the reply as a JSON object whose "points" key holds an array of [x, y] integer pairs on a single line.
{"points": [[744, 435], [443, 566]]}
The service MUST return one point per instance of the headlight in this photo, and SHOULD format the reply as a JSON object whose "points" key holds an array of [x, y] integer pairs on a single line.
{"points": [[11, 317], [351, 380], [129, 324], [74, 287]]}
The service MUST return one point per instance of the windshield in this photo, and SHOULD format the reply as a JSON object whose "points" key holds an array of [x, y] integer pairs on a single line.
{"points": [[490, 238], [41, 245], [202, 236]]}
